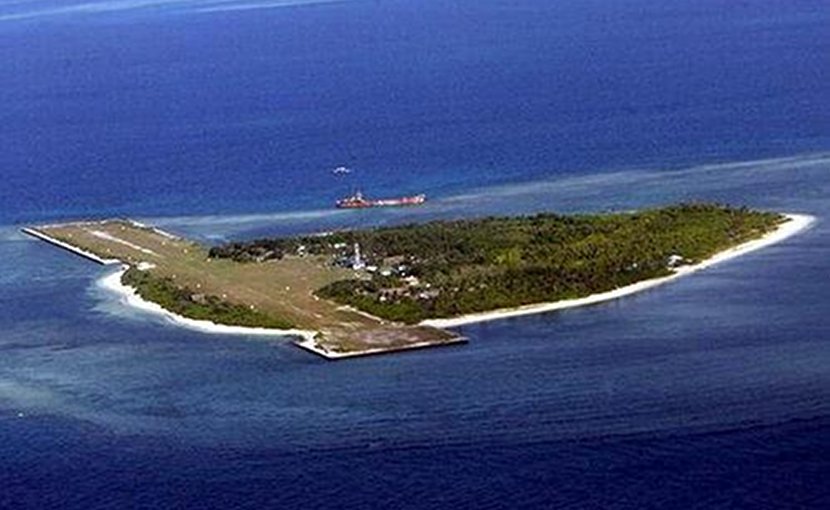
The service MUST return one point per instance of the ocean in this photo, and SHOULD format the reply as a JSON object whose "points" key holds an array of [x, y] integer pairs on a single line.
{"points": [[222, 120]]}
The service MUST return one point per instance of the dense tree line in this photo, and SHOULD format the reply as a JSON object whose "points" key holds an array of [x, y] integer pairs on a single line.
{"points": [[483, 264]]}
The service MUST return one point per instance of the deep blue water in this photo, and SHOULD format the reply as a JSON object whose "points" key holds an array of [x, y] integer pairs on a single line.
{"points": [[711, 392]]}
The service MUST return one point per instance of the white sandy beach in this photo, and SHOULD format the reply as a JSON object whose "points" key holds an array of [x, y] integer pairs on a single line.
{"points": [[112, 282], [128, 295], [796, 224], [306, 340]]}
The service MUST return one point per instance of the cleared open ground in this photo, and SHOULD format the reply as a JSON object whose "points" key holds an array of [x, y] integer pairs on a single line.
{"points": [[282, 289]]}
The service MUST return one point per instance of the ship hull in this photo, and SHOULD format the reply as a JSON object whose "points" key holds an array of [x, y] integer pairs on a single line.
{"points": [[362, 203]]}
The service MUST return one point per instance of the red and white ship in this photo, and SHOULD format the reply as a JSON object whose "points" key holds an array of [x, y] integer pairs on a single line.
{"points": [[358, 201]]}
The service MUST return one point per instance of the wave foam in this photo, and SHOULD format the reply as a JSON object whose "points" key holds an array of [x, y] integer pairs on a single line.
{"points": [[128, 296]]}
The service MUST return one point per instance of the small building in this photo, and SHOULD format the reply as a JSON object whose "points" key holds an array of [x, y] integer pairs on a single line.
{"points": [[412, 281]]}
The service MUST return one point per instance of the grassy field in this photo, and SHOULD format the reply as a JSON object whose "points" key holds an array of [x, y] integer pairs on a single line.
{"points": [[413, 272], [280, 290], [458, 267]]}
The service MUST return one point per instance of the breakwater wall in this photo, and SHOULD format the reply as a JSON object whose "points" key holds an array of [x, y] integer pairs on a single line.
{"points": [[68, 247]]}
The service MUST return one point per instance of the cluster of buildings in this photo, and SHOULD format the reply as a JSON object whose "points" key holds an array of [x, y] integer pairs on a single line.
{"points": [[407, 285]]}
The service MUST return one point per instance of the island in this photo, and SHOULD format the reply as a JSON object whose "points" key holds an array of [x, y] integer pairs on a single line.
{"points": [[358, 292]]}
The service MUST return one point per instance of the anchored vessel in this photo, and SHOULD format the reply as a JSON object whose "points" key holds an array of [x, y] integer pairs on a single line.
{"points": [[358, 201]]}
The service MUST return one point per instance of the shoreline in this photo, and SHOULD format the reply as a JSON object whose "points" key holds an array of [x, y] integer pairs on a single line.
{"points": [[796, 223], [128, 296], [306, 340], [66, 246]]}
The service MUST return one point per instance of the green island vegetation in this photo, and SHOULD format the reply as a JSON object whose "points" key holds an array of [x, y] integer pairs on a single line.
{"points": [[447, 268], [183, 301]]}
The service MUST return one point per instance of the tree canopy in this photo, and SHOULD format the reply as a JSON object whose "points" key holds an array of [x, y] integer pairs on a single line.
{"points": [[474, 265]]}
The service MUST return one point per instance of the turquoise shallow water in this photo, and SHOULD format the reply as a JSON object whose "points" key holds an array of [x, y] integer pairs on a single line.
{"points": [[710, 392]]}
